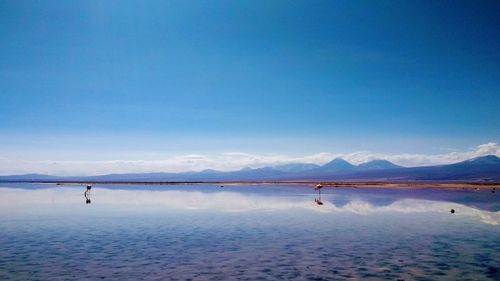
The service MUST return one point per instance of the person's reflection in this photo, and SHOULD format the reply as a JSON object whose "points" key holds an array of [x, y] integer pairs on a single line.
{"points": [[87, 195], [318, 200]]}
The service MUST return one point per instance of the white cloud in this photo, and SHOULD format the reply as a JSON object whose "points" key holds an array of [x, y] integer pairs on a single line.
{"points": [[229, 161]]}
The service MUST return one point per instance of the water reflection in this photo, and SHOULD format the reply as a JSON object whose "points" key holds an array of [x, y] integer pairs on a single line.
{"points": [[87, 194], [247, 232], [226, 201], [87, 198], [318, 200]]}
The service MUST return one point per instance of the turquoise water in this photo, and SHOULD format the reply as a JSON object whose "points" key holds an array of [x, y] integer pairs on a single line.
{"points": [[206, 232]]}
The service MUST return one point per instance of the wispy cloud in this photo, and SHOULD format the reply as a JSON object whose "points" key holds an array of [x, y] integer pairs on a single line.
{"points": [[230, 161]]}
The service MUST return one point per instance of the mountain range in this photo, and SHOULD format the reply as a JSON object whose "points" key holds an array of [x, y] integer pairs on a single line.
{"points": [[480, 169]]}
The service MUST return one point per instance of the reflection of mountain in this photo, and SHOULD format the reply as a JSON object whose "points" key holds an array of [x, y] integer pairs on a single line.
{"points": [[230, 201], [483, 169]]}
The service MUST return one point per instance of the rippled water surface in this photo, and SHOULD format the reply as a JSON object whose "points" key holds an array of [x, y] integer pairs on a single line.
{"points": [[202, 232]]}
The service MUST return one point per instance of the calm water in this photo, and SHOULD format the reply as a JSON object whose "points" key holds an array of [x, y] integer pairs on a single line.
{"points": [[205, 232]]}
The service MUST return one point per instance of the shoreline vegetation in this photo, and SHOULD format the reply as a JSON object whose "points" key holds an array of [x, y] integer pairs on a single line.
{"points": [[364, 184]]}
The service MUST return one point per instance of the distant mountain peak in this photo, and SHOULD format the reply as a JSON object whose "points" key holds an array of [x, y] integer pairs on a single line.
{"points": [[378, 164], [481, 169], [296, 167], [338, 160], [208, 171], [483, 160], [338, 164]]}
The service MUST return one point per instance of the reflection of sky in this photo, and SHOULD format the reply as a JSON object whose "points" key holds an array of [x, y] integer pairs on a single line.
{"points": [[231, 199], [482, 199], [244, 232]]}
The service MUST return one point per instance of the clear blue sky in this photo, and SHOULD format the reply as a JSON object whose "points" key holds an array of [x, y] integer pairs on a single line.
{"points": [[290, 76]]}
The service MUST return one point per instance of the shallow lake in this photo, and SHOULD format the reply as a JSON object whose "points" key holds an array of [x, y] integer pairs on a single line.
{"points": [[266, 232]]}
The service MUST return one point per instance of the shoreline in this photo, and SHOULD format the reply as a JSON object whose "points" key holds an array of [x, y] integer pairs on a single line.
{"points": [[325, 184]]}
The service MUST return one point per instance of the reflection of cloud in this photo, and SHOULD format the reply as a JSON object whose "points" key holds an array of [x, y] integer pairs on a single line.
{"points": [[230, 202], [230, 161], [423, 206]]}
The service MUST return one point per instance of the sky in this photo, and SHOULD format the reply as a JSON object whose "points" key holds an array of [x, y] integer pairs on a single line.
{"points": [[144, 82]]}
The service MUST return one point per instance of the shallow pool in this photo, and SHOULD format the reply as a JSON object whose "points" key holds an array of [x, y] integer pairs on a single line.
{"points": [[179, 232]]}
